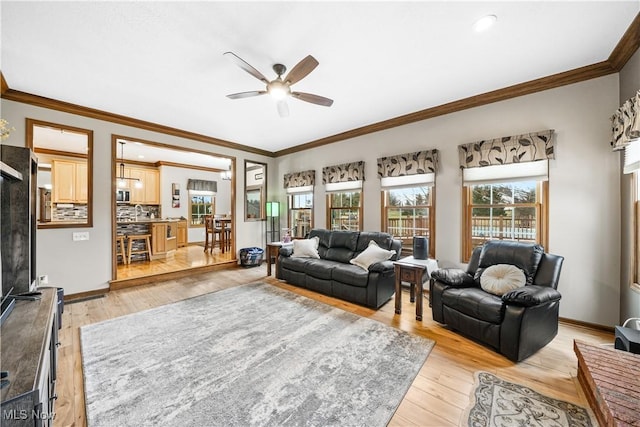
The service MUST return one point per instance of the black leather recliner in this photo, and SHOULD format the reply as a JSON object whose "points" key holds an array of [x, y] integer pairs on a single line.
{"points": [[516, 324]]}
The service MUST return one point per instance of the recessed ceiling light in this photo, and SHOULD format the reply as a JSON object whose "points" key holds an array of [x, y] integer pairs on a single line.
{"points": [[484, 23], [140, 156]]}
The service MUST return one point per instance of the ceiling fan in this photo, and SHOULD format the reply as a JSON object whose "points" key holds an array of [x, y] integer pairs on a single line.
{"points": [[280, 88]]}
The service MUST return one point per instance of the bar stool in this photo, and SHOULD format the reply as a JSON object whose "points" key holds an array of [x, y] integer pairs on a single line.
{"points": [[121, 249], [147, 248]]}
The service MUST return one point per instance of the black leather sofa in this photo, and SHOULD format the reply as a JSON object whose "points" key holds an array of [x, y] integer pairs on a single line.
{"points": [[333, 275], [516, 324]]}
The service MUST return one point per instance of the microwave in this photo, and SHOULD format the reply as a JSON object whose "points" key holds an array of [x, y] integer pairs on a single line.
{"points": [[123, 196]]}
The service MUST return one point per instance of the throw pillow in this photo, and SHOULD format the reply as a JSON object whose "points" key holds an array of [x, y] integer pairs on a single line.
{"points": [[306, 248], [371, 255], [502, 278]]}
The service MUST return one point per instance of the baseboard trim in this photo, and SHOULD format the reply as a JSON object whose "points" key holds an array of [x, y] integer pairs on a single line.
{"points": [[97, 293], [139, 281], [587, 324]]}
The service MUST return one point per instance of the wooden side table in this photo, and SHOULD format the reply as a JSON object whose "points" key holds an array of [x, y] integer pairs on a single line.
{"points": [[272, 252], [415, 272]]}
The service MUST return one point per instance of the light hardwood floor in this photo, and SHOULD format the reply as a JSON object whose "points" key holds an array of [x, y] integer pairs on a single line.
{"points": [[192, 256], [437, 397]]}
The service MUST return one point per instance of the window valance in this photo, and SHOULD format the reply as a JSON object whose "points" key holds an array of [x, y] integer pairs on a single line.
{"points": [[528, 147], [420, 162], [202, 185], [300, 179], [343, 173], [625, 123]]}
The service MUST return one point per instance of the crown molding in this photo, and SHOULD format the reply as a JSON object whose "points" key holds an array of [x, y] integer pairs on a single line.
{"points": [[67, 107], [624, 50], [627, 46], [568, 77]]}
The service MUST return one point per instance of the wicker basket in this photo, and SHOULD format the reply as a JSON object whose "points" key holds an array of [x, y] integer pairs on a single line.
{"points": [[251, 257]]}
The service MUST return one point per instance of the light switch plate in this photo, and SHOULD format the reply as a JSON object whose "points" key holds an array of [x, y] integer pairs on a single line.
{"points": [[80, 235]]}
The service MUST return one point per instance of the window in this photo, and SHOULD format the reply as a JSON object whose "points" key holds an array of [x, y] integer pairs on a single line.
{"points": [[200, 205], [344, 210], [505, 211], [300, 214], [408, 212]]}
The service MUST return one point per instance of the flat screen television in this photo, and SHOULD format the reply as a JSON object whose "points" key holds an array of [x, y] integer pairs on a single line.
{"points": [[18, 173]]}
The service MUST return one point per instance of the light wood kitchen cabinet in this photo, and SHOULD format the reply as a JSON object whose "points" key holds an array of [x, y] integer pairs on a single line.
{"points": [[149, 192], [69, 180], [82, 182], [159, 238], [163, 239], [182, 234]]}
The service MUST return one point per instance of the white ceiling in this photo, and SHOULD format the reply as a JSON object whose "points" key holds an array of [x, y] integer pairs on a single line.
{"points": [[163, 61]]}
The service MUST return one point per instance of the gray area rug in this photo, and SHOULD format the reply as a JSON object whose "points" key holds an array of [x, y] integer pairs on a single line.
{"points": [[499, 403], [253, 355]]}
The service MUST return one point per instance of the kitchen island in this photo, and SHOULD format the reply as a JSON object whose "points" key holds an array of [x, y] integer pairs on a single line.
{"points": [[163, 235]]}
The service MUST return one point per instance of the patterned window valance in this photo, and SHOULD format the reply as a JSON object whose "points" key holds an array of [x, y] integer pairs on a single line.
{"points": [[529, 147], [202, 185], [300, 179], [625, 123], [343, 173], [420, 162]]}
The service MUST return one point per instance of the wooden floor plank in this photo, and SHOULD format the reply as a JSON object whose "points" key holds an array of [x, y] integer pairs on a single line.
{"points": [[438, 396]]}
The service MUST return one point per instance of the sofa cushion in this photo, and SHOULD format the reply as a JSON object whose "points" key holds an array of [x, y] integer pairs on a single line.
{"points": [[475, 302], [342, 246], [324, 236], [371, 255], [294, 264], [384, 240], [502, 278], [321, 268], [525, 256], [350, 274], [306, 248]]}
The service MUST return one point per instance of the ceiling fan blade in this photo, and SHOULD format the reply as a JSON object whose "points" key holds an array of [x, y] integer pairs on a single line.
{"points": [[245, 66], [246, 94], [283, 108], [314, 99], [301, 69]]}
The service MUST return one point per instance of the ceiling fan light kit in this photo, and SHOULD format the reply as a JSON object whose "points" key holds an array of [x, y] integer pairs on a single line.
{"points": [[280, 88]]}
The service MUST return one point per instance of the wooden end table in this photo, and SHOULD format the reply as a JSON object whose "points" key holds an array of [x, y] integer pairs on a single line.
{"points": [[413, 271], [272, 252]]}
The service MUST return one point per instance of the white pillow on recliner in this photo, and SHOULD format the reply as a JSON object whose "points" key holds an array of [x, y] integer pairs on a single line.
{"points": [[502, 278]]}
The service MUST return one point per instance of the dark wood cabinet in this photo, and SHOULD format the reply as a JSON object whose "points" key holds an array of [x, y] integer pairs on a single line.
{"points": [[29, 355]]}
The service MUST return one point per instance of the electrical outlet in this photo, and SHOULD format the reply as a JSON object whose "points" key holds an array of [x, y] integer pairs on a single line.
{"points": [[43, 280], [80, 235]]}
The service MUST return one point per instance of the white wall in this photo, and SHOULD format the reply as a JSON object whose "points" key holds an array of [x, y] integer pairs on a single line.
{"points": [[584, 205], [584, 187], [629, 300], [86, 265], [170, 175]]}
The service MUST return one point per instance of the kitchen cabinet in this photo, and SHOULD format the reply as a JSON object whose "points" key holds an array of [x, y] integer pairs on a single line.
{"points": [[163, 239], [149, 192], [182, 234], [69, 179]]}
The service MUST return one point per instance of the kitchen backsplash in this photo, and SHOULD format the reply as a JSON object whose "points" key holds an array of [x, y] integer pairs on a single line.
{"points": [[69, 212], [128, 212]]}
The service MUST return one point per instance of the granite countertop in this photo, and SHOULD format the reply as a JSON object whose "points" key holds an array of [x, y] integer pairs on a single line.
{"points": [[148, 220]]}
